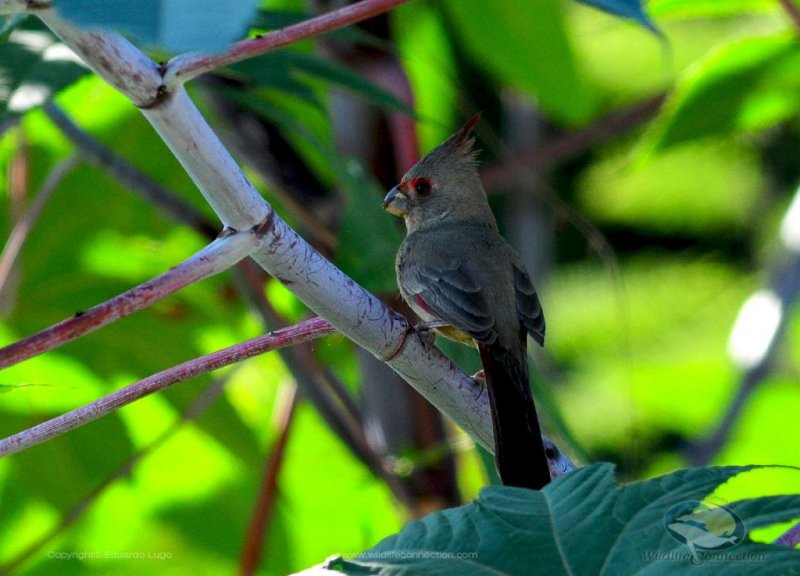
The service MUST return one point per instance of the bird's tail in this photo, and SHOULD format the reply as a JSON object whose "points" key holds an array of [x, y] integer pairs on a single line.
{"points": [[518, 448]]}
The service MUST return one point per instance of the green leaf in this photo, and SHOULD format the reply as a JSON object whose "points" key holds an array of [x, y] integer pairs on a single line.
{"points": [[369, 237], [706, 8], [583, 523], [272, 71], [747, 84], [175, 25], [626, 9], [526, 47], [292, 72], [10, 23], [329, 71], [33, 67], [613, 191]]}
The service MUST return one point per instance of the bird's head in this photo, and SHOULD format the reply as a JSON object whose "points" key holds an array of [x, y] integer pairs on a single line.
{"points": [[442, 184]]}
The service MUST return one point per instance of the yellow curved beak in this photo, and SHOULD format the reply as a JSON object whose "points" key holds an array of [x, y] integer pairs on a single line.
{"points": [[396, 202]]}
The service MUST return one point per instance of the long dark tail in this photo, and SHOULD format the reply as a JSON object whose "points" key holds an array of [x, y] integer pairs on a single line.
{"points": [[518, 448]]}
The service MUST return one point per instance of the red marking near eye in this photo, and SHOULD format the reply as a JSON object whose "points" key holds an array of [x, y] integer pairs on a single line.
{"points": [[421, 186]]}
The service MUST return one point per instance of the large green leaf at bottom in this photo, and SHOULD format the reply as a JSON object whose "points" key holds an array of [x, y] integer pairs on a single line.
{"points": [[582, 523]]}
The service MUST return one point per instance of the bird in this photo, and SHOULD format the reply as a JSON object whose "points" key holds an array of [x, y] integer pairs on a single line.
{"points": [[463, 280]]}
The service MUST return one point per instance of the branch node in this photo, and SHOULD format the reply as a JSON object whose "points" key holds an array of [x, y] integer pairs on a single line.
{"points": [[394, 352], [162, 94], [265, 225]]}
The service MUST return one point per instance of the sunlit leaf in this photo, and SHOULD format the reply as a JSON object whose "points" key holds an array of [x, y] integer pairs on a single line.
{"points": [[707, 8], [33, 67], [325, 490], [712, 187], [525, 47], [746, 84], [647, 347]]}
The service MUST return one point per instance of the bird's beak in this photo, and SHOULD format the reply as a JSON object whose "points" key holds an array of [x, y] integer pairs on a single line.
{"points": [[396, 202]]}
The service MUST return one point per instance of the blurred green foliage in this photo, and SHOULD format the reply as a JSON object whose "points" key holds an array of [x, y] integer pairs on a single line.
{"points": [[690, 203]]}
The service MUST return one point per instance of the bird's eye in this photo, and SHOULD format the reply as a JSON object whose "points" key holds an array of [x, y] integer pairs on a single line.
{"points": [[422, 187]]}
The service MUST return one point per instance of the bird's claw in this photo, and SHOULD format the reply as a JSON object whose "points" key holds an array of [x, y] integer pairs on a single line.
{"points": [[425, 331], [480, 379]]}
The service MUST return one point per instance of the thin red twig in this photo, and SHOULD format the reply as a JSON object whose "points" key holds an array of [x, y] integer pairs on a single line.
{"points": [[22, 228], [185, 67], [211, 260], [301, 332], [262, 513]]}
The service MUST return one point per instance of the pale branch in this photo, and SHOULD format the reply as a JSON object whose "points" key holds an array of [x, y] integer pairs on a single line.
{"points": [[307, 330], [19, 233], [283, 253], [218, 256], [185, 67]]}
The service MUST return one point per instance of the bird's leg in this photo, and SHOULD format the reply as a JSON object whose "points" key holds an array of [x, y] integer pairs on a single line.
{"points": [[480, 380], [425, 331]]}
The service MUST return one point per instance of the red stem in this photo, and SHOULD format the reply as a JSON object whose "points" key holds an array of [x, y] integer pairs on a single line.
{"points": [[259, 522], [193, 66], [302, 332], [118, 307]]}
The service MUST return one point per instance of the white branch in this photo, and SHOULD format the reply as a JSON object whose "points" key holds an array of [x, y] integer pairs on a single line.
{"points": [[284, 254]]}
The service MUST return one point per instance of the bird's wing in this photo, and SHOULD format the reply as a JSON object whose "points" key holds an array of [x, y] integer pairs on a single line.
{"points": [[528, 307], [451, 291]]}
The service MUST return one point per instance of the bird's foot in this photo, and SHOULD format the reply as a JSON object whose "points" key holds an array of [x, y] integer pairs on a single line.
{"points": [[425, 331], [480, 380]]}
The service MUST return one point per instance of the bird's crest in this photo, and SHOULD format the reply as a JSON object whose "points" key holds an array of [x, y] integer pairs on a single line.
{"points": [[462, 142], [456, 150]]}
